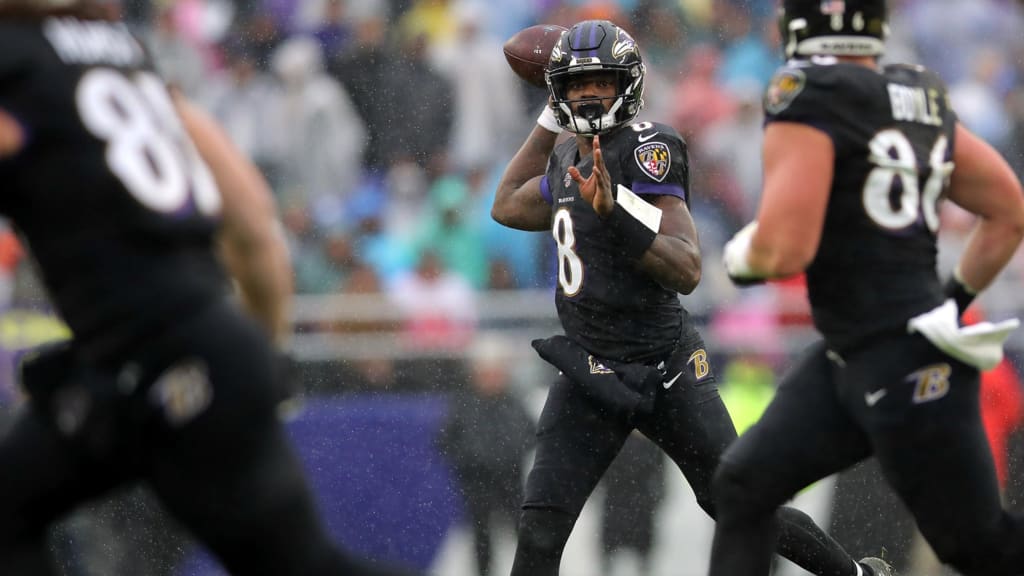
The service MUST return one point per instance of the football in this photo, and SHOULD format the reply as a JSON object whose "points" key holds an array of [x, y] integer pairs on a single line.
{"points": [[527, 51]]}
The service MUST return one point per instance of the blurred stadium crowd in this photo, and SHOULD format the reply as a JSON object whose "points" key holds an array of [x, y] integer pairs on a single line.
{"points": [[384, 124]]}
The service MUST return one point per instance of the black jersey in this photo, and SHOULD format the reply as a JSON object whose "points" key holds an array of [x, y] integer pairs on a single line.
{"points": [[115, 204], [893, 132], [605, 303]]}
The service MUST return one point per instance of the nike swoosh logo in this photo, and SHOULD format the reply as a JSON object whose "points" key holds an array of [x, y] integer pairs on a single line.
{"points": [[643, 139], [669, 384], [872, 398]]}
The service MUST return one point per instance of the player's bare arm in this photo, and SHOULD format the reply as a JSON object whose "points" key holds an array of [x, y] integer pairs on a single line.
{"points": [[12, 137], [674, 257], [518, 202], [984, 184], [253, 246], [798, 164]]}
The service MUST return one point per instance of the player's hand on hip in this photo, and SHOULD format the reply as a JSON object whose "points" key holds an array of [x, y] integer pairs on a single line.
{"points": [[597, 189]]}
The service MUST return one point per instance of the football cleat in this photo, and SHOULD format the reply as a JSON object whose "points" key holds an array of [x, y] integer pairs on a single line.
{"points": [[878, 566]]}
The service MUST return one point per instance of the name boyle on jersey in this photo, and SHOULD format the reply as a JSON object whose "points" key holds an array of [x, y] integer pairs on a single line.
{"points": [[913, 104]]}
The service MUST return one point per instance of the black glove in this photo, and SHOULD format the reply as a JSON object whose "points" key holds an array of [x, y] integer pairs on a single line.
{"points": [[959, 292], [627, 390]]}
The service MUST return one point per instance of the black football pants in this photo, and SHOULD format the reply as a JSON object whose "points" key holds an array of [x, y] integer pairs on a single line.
{"points": [[577, 441], [916, 410], [227, 473]]}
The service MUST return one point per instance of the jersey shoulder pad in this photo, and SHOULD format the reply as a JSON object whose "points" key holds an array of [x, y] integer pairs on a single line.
{"points": [[654, 153], [642, 132], [914, 74], [817, 93]]}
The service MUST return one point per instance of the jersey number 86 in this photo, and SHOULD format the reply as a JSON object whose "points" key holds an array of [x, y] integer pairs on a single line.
{"points": [[147, 147]]}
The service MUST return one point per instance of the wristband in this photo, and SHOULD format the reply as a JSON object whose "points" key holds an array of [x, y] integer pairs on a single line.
{"points": [[547, 120], [960, 292], [636, 236]]}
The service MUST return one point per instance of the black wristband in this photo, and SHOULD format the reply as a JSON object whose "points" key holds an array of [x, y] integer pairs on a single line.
{"points": [[956, 290], [636, 237]]}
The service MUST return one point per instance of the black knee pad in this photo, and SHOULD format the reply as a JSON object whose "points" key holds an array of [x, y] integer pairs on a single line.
{"points": [[544, 531]]}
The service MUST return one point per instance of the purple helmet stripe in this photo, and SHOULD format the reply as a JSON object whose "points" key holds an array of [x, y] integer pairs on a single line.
{"points": [[577, 40], [593, 40]]}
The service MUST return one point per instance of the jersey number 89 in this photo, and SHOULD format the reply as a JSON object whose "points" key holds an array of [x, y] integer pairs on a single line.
{"points": [[147, 147]]}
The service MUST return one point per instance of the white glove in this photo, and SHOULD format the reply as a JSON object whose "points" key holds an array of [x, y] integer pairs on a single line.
{"points": [[734, 256], [980, 345], [548, 121]]}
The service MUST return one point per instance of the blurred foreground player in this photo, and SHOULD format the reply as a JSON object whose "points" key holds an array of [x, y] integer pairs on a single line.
{"points": [[857, 158], [166, 381], [615, 200]]}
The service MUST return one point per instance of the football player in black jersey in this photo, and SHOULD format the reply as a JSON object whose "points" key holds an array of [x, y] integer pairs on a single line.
{"points": [[615, 200], [119, 189], [857, 159]]}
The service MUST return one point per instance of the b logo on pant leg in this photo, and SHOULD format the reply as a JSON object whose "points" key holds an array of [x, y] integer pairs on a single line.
{"points": [[699, 359], [932, 382]]}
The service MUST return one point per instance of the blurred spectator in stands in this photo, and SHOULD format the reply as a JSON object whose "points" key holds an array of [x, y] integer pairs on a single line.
{"points": [[431, 20], [490, 114], [749, 49], [322, 134], [341, 261], [11, 255], [247, 102], [634, 487], [734, 143], [321, 260], [406, 185], [362, 281], [700, 101], [978, 101], [439, 306], [388, 254], [949, 33], [1015, 110], [664, 31], [361, 10], [405, 102], [419, 124], [449, 229], [177, 59], [333, 29], [263, 34], [499, 275], [366, 69], [485, 439], [521, 254]]}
